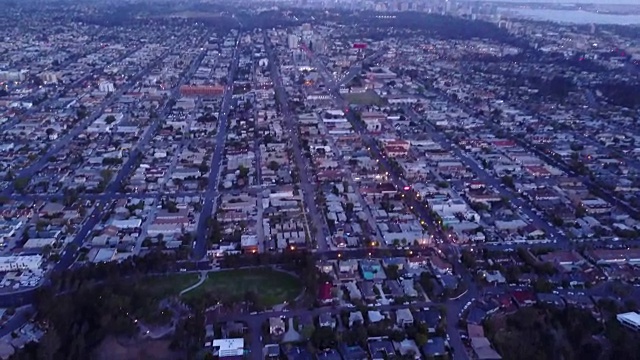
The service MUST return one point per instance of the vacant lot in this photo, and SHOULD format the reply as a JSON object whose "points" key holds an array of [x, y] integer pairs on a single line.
{"points": [[270, 286], [366, 98]]}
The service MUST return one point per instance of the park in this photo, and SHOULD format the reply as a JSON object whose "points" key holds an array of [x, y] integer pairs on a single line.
{"points": [[270, 287]]}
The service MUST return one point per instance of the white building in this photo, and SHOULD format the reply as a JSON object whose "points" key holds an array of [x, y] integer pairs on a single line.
{"points": [[127, 224], [292, 40], [106, 86], [630, 320], [9, 75], [224, 348], [27, 262]]}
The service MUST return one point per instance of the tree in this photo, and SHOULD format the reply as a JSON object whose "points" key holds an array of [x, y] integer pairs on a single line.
{"points": [[349, 208], [21, 183], [421, 339], [507, 180], [273, 165], [110, 119], [397, 335], [324, 338], [46, 250], [203, 168], [468, 259], [307, 331], [243, 172], [69, 196], [49, 345], [543, 285], [393, 272]]}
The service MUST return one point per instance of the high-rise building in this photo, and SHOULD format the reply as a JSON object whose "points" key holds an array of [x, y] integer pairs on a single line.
{"points": [[292, 40], [450, 6]]}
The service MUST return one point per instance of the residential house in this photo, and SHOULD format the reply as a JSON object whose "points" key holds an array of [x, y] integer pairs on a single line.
{"points": [[381, 349], [404, 317]]}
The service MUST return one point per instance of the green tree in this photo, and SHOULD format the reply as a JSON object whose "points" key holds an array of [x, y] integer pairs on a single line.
{"points": [[507, 180], [243, 172], [273, 166], [20, 184], [393, 272], [421, 339], [324, 338]]}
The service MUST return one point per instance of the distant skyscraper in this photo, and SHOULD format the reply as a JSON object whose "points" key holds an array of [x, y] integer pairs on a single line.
{"points": [[450, 6]]}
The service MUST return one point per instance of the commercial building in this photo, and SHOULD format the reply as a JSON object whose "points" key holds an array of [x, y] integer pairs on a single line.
{"points": [[106, 86], [630, 320], [27, 262], [228, 348], [202, 90], [292, 41], [612, 256]]}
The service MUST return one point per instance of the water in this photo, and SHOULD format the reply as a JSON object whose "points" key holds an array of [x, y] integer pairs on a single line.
{"points": [[575, 16], [570, 2]]}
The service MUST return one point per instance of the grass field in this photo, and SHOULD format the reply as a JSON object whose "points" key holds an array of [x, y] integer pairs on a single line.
{"points": [[272, 287], [368, 97], [160, 287]]}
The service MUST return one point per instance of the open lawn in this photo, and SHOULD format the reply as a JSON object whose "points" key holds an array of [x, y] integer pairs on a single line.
{"points": [[160, 287], [272, 287], [368, 97]]}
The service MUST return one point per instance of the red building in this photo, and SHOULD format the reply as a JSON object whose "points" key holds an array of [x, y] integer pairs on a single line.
{"points": [[202, 90], [324, 293]]}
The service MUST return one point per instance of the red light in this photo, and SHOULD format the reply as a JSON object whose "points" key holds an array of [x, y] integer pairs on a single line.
{"points": [[407, 188]]}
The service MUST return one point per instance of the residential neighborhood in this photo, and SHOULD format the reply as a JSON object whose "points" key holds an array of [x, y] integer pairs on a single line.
{"points": [[420, 180]]}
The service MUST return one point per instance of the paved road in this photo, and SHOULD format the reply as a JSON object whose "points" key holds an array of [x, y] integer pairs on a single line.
{"points": [[211, 195], [487, 178], [355, 69], [306, 186], [92, 220], [68, 256], [593, 187], [453, 307], [201, 280], [22, 315]]}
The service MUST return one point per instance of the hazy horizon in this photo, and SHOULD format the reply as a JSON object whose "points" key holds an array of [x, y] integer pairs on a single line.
{"points": [[599, 2]]}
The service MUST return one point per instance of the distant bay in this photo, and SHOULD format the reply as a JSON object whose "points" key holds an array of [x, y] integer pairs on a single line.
{"points": [[572, 16]]}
